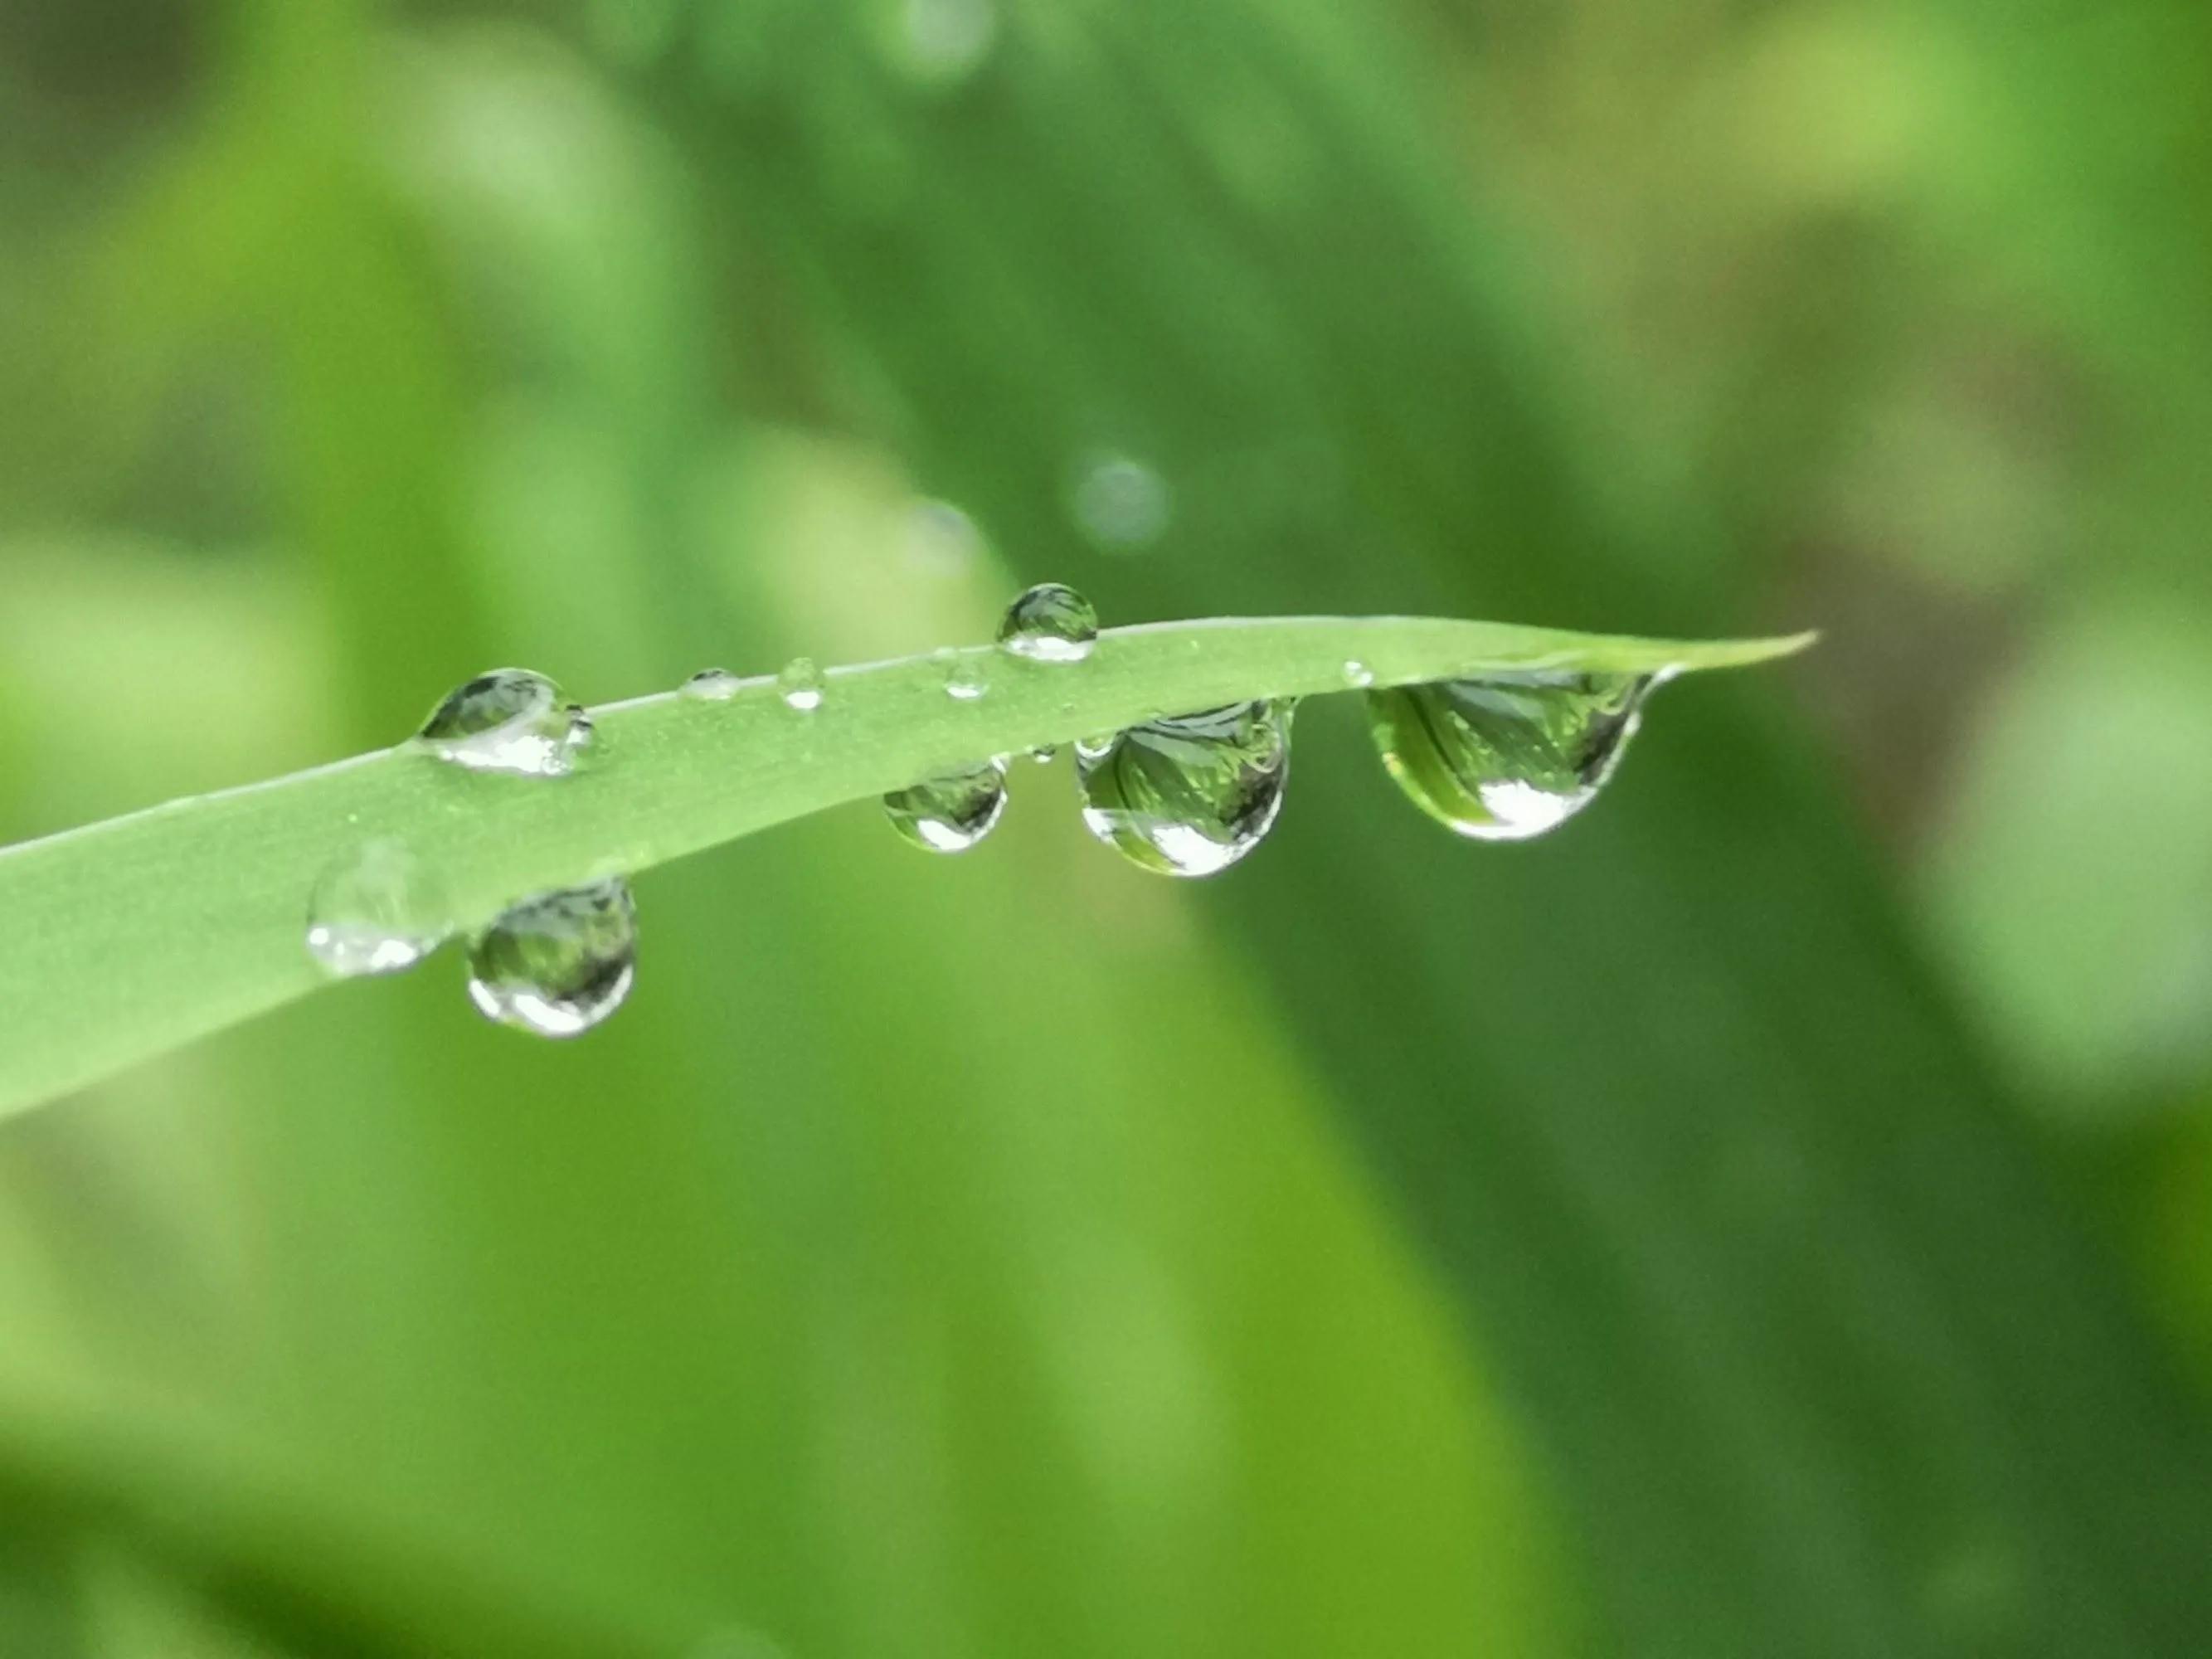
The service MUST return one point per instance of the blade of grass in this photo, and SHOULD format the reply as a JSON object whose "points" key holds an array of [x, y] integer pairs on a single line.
{"points": [[136, 935]]}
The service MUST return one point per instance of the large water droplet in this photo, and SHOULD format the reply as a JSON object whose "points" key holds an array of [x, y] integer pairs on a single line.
{"points": [[1509, 755], [711, 686], [800, 685], [1190, 795], [952, 813], [557, 964], [1051, 623], [377, 909], [508, 720]]}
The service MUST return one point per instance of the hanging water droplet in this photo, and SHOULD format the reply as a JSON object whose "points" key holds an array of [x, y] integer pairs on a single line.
{"points": [[966, 679], [508, 720], [376, 910], [1358, 675], [1051, 623], [952, 813], [1045, 753], [557, 964], [1191, 795], [711, 686], [1507, 757], [800, 685]]}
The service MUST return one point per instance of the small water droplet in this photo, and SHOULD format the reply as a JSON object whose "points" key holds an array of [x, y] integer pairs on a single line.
{"points": [[376, 910], [1051, 623], [711, 686], [1119, 502], [952, 813], [557, 964], [800, 685], [1358, 675], [966, 677], [509, 719], [1191, 795], [1508, 756], [1045, 753], [941, 539], [944, 41]]}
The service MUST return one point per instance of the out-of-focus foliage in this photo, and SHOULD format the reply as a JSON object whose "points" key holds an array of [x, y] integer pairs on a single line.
{"points": [[1769, 1219]]}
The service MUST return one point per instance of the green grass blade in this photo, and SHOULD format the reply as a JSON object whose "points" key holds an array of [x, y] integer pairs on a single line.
{"points": [[136, 935]]}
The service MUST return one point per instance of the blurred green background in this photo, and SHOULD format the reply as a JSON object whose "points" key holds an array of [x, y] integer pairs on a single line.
{"points": [[1772, 1218]]}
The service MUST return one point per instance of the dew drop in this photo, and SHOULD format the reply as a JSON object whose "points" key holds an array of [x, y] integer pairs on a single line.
{"points": [[1508, 756], [800, 685], [1190, 795], [508, 720], [711, 686], [1358, 675], [376, 910], [1119, 502], [1051, 623], [952, 813], [1045, 753], [965, 678], [557, 964]]}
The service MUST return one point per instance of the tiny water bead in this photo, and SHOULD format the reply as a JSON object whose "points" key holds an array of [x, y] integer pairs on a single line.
{"points": [[1509, 756], [1358, 675], [509, 719], [557, 964], [800, 685], [711, 686], [1189, 795], [1051, 623], [951, 814], [377, 909], [965, 678]]}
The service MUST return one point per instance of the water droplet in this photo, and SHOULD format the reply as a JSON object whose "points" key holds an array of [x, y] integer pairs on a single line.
{"points": [[952, 813], [1358, 675], [800, 685], [508, 720], [557, 964], [941, 539], [1119, 502], [966, 679], [711, 686], [1510, 756], [1045, 753], [1051, 623], [377, 909], [1191, 795], [945, 41]]}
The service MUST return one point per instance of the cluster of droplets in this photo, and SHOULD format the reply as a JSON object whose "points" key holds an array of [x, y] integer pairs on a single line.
{"points": [[1498, 756]]}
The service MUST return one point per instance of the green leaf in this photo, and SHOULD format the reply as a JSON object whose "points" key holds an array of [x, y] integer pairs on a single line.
{"points": [[149, 931]]}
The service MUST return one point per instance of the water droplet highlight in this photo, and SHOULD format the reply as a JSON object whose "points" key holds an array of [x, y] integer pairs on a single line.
{"points": [[1358, 675], [509, 719], [711, 686], [800, 685], [1508, 756], [558, 965], [952, 813], [1051, 623], [376, 910], [1190, 795]]}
